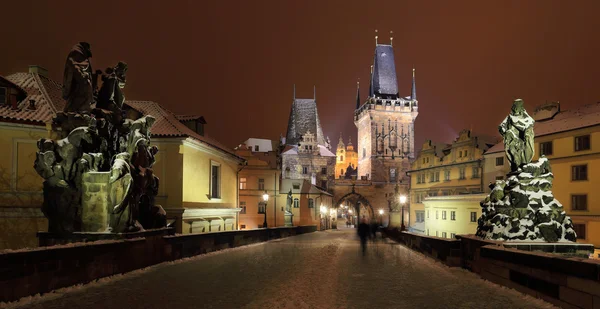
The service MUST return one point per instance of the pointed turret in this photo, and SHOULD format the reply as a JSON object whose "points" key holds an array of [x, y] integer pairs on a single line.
{"points": [[340, 144], [357, 95], [413, 95]]}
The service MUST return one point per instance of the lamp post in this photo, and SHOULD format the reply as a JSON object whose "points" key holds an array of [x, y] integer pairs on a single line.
{"points": [[381, 217], [265, 199], [402, 202], [351, 217]]}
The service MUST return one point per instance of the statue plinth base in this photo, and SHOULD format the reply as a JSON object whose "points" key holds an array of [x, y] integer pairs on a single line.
{"points": [[289, 219], [95, 206], [52, 239]]}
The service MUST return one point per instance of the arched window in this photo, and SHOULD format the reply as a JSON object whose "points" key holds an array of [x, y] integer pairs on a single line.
{"points": [[341, 158], [296, 203]]}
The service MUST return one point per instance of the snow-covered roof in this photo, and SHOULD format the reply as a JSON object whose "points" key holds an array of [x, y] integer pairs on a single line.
{"points": [[264, 145], [324, 152], [499, 147], [585, 116]]}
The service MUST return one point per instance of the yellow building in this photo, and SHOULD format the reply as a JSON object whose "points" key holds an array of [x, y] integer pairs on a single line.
{"points": [[346, 158], [447, 216], [443, 170], [25, 108], [571, 141], [198, 175]]}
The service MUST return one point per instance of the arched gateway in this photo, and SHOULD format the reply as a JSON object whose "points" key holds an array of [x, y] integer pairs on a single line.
{"points": [[361, 206]]}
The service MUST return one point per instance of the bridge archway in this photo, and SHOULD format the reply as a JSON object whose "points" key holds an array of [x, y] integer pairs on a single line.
{"points": [[360, 204]]}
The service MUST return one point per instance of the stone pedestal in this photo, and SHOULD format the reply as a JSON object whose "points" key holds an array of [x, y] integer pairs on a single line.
{"points": [[289, 219], [395, 219], [95, 205]]}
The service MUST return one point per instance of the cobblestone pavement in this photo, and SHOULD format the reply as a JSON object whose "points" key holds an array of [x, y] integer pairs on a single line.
{"points": [[317, 270]]}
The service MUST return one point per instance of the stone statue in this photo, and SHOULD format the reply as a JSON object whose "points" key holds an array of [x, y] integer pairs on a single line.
{"points": [[523, 208], [517, 130], [110, 96], [99, 176], [290, 201], [77, 89]]}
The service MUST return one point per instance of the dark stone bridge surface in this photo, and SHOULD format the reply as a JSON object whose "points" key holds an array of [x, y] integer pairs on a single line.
{"points": [[317, 270]]}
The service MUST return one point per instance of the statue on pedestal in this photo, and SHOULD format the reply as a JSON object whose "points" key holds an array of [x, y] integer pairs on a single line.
{"points": [[102, 168], [523, 208]]}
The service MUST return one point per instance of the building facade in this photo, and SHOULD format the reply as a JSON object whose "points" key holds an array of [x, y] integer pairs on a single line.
{"points": [[445, 170], [448, 216]]}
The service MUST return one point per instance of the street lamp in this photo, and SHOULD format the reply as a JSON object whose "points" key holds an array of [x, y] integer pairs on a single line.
{"points": [[265, 197], [380, 217], [402, 202]]}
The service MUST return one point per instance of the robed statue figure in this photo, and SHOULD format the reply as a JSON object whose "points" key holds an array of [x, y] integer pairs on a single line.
{"points": [[78, 90], [517, 130]]}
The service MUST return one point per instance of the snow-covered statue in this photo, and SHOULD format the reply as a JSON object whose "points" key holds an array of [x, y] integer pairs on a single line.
{"points": [[98, 172], [288, 204], [517, 130], [78, 89], [523, 208]]}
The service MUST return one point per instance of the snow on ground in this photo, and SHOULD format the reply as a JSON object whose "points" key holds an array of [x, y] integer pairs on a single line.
{"points": [[317, 270]]}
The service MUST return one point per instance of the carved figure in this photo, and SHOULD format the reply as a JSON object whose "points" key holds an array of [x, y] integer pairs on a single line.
{"points": [[110, 96], [77, 79], [517, 130], [290, 200]]}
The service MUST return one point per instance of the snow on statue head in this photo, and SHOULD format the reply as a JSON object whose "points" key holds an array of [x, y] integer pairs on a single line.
{"points": [[523, 208]]}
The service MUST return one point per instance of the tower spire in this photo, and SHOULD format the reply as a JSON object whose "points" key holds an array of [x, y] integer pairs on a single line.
{"points": [[413, 95], [357, 94]]}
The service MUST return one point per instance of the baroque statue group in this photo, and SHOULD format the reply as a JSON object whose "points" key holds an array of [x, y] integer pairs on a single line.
{"points": [[522, 207], [93, 136]]}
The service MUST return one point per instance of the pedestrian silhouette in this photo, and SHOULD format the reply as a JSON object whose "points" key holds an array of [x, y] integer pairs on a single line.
{"points": [[363, 233], [374, 227]]}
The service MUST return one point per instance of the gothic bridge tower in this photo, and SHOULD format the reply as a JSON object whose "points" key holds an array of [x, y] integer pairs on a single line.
{"points": [[385, 123]]}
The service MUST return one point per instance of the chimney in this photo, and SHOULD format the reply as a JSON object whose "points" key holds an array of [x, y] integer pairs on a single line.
{"points": [[32, 105], [38, 70]]}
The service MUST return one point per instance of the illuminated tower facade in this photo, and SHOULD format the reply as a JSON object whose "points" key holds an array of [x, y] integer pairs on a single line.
{"points": [[385, 123]]}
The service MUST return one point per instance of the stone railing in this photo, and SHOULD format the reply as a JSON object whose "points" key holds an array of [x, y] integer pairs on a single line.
{"points": [[41, 270], [566, 281]]}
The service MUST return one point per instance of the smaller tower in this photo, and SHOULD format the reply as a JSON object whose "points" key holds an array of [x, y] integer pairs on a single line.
{"points": [[340, 162]]}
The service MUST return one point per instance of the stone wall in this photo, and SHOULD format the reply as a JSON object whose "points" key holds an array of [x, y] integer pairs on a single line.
{"points": [[565, 281], [41, 270]]}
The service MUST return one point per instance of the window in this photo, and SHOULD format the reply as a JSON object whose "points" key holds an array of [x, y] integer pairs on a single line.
{"points": [[431, 177], [324, 170], [392, 174], [296, 203], [579, 172], [311, 203], [500, 161], [342, 172], [296, 186], [475, 172], [243, 207], [452, 235], [215, 180], [582, 143], [261, 184], [436, 214], [420, 216], [453, 215], [447, 175], [462, 173], [437, 176], [3, 95], [256, 148], [579, 230], [546, 148], [473, 216], [579, 201], [262, 207], [443, 234], [243, 183], [466, 153], [499, 177], [443, 215], [305, 170], [460, 154], [341, 158]]}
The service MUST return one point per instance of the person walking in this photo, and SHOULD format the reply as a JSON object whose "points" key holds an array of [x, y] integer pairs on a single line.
{"points": [[363, 233]]}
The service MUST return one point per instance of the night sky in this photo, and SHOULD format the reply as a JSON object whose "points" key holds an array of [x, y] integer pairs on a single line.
{"points": [[235, 62]]}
